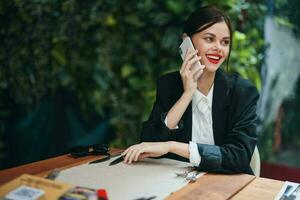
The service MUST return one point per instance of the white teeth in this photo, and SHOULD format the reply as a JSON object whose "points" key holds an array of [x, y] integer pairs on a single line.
{"points": [[214, 57]]}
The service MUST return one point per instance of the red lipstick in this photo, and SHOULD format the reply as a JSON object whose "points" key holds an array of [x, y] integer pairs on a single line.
{"points": [[213, 58]]}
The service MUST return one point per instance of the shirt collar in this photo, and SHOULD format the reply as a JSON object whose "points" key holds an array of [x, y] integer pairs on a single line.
{"points": [[200, 98]]}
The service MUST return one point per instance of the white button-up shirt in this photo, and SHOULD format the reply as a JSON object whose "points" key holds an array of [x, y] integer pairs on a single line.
{"points": [[202, 130]]}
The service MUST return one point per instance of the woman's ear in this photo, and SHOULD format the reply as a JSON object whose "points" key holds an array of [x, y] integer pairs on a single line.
{"points": [[184, 35]]}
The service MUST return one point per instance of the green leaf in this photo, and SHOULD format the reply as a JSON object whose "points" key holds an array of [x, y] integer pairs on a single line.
{"points": [[127, 70], [110, 20]]}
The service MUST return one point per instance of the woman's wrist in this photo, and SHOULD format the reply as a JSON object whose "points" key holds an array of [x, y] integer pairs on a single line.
{"points": [[187, 95], [170, 145], [179, 148]]}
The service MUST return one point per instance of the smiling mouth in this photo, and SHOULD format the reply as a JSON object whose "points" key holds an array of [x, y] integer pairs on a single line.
{"points": [[213, 58]]}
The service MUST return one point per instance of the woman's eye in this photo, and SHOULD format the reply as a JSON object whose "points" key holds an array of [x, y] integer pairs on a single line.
{"points": [[225, 42], [208, 39]]}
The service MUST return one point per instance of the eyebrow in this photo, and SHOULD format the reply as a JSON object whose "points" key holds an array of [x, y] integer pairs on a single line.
{"points": [[213, 35]]}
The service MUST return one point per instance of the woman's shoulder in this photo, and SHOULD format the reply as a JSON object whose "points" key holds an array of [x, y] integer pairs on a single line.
{"points": [[170, 82], [169, 79], [241, 86], [232, 80], [171, 76]]}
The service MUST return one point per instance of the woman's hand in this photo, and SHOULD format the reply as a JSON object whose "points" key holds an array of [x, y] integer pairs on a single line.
{"points": [[144, 150], [190, 74]]}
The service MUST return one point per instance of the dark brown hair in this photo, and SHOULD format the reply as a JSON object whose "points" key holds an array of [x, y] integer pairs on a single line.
{"points": [[203, 18]]}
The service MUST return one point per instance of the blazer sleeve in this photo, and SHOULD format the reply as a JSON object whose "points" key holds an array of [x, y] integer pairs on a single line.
{"points": [[235, 154], [154, 129]]}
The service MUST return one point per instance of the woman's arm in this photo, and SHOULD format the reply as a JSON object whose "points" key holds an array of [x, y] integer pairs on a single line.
{"points": [[189, 77], [155, 149], [169, 105], [234, 155]]}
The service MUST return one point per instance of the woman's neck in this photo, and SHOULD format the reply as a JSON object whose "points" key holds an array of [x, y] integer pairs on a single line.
{"points": [[205, 82]]}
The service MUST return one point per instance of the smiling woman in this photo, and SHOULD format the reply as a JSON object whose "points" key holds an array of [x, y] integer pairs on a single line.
{"points": [[213, 45], [209, 121]]}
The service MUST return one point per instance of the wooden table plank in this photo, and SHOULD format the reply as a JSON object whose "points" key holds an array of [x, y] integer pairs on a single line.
{"points": [[42, 167], [260, 188], [213, 186]]}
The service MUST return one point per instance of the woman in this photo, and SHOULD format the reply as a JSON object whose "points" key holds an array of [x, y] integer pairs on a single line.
{"points": [[202, 115]]}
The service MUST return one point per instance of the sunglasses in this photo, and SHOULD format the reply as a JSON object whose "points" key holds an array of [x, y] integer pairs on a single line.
{"points": [[94, 149]]}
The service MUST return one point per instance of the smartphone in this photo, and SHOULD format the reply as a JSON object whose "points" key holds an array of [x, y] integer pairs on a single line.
{"points": [[187, 43]]}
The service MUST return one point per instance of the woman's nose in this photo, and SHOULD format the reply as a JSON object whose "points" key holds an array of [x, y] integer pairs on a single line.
{"points": [[217, 46]]}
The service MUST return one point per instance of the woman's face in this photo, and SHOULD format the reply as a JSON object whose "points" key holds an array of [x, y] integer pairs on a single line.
{"points": [[213, 45]]}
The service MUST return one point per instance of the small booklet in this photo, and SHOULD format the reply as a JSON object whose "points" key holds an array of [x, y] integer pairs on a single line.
{"points": [[289, 191], [30, 187]]}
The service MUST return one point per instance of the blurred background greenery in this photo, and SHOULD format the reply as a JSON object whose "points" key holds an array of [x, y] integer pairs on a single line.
{"points": [[77, 72]]}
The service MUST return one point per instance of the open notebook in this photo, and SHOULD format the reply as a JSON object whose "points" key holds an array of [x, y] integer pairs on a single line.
{"points": [[148, 178]]}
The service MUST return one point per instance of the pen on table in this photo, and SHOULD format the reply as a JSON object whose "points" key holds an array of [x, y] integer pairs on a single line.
{"points": [[105, 158], [118, 160], [146, 198]]}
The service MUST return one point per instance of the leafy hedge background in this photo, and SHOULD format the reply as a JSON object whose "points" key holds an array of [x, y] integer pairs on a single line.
{"points": [[104, 57]]}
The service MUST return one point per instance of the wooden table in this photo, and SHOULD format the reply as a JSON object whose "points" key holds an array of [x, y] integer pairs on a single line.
{"points": [[209, 186]]}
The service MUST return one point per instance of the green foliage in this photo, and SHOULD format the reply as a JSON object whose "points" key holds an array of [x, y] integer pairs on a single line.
{"points": [[247, 55], [287, 12], [107, 52]]}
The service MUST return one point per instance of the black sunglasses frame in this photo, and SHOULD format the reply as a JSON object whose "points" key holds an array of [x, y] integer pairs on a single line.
{"points": [[94, 149]]}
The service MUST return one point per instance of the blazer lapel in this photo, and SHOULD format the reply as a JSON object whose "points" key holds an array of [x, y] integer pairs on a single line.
{"points": [[220, 105]]}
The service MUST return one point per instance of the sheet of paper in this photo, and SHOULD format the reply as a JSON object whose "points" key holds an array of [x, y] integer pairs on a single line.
{"points": [[147, 178], [292, 186]]}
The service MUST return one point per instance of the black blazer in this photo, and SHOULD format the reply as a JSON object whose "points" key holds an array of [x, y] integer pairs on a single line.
{"points": [[234, 122]]}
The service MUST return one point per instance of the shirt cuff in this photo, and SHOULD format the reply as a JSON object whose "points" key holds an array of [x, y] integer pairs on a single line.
{"points": [[166, 123], [195, 157]]}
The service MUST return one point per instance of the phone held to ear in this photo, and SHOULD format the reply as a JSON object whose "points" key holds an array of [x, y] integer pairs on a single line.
{"points": [[187, 43]]}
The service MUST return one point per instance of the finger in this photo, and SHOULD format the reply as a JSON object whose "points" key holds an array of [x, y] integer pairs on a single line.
{"points": [[132, 156], [190, 54], [126, 157], [125, 152], [139, 154], [129, 151], [191, 63], [128, 154], [198, 74], [195, 68]]}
